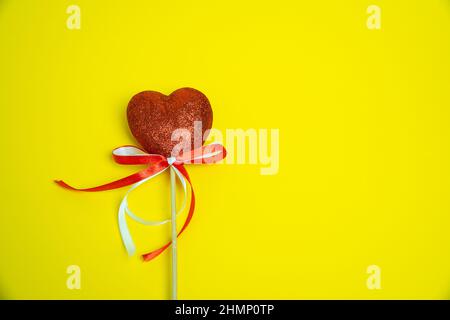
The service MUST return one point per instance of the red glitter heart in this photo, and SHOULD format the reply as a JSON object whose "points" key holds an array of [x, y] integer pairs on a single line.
{"points": [[153, 117]]}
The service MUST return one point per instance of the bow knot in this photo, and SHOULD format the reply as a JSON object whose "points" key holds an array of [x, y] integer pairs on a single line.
{"points": [[171, 160], [156, 164]]}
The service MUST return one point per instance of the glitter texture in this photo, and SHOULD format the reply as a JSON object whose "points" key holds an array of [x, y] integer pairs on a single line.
{"points": [[153, 117]]}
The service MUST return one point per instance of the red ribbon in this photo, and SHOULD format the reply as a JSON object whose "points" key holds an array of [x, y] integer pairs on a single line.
{"points": [[156, 163]]}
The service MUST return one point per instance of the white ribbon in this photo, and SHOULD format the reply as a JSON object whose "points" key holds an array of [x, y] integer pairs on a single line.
{"points": [[125, 210]]}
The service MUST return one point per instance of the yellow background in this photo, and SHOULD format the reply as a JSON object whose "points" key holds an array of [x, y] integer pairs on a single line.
{"points": [[364, 148]]}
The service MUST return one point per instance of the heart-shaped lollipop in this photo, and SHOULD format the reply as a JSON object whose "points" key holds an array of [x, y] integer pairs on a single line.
{"points": [[153, 117]]}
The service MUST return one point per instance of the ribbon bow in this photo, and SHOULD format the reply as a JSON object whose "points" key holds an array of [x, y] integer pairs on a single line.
{"points": [[156, 164]]}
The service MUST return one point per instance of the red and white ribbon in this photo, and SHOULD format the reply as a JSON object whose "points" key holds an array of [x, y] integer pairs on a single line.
{"points": [[156, 164]]}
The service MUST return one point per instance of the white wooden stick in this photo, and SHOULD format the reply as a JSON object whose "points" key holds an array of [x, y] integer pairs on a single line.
{"points": [[173, 205]]}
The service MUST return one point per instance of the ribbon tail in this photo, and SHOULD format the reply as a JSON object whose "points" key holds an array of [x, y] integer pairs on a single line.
{"points": [[124, 232], [124, 211], [134, 178], [153, 254]]}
